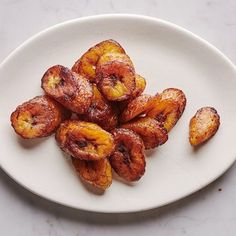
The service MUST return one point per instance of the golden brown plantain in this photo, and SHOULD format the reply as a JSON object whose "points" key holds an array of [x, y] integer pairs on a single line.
{"points": [[101, 111], [70, 89], [149, 129], [166, 111], [128, 159], [84, 140], [86, 65], [203, 125], [138, 106], [116, 80], [168, 107], [38, 117], [97, 173], [176, 95]]}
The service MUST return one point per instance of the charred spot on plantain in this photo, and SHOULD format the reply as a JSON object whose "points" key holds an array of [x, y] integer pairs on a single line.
{"points": [[62, 82], [69, 95], [64, 73], [81, 143], [161, 118], [125, 152], [90, 165], [114, 79], [122, 148], [34, 120]]}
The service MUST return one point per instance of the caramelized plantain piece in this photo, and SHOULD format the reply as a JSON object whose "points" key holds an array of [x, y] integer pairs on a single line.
{"points": [[149, 129], [166, 111], [97, 173], [38, 117], [177, 95], [84, 140], [101, 111], [128, 159], [116, 79], [86, 65], [168, 107], [203, 125], [138, 106], [70, 89]]}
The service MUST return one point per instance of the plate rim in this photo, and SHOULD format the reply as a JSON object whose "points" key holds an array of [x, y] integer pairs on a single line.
{"points": [[117, 16]]}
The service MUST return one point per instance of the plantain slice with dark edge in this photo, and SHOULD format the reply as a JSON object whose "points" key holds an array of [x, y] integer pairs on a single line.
{"points": [[115, 76], [203, 125], [86, 65], [38, 117], [166, 111], [168, 107], [128, 159], [84, 140], [177, 95], [70, 89]]}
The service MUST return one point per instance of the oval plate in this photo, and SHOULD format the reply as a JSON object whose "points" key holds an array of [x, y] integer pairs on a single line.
{"points": [[167, 56]]}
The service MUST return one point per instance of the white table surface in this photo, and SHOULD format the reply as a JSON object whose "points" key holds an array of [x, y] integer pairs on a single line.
{"points": [[208, 212]]}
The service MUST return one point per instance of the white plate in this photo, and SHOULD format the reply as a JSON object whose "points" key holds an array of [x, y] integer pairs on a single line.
{"points": [[167, 56]]}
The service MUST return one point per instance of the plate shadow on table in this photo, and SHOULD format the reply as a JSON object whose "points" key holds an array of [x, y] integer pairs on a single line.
{"points": [[62, 212]]}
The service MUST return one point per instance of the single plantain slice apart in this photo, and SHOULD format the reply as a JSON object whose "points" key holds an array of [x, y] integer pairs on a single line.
{"points": [[203, 125]]}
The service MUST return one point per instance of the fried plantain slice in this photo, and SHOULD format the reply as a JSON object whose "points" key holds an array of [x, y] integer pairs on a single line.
{"points": [[97, 173], [203, 125], [128, 159], [86, 65], [150, 130], [101, 111], [138, 106], [70, 89], [84, 140], [116, 80], [166, 111], [176, 95], [38, 117]]}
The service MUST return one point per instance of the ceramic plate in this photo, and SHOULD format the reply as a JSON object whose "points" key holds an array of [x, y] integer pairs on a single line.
{"points": [[167, 56]]}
